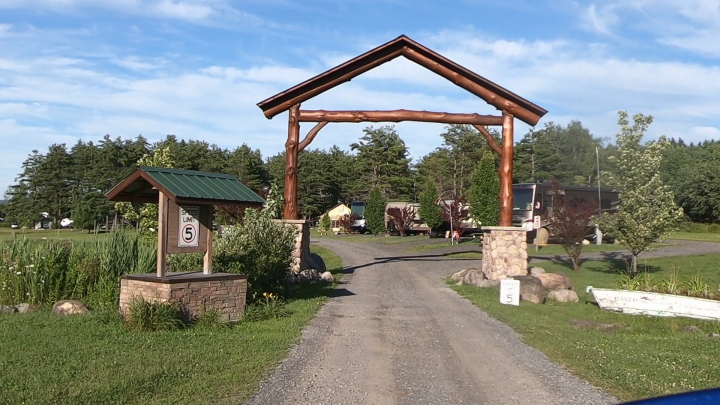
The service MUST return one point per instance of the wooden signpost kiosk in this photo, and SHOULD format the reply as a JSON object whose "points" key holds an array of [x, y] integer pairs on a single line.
{"points": [[186, 201]]}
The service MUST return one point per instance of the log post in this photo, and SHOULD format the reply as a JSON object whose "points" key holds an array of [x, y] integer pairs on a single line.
{"points": [[208, 225], [162, 234], [291, 163], [506, 172]]}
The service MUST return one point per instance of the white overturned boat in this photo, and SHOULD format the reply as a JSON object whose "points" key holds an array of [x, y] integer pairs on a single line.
{"points": [[655, 304]]}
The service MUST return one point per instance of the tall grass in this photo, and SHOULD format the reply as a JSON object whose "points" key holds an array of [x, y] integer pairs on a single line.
{"points": [[42, 272]]}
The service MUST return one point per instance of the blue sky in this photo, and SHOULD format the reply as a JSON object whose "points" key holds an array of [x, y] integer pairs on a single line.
{"points": [[80, 69]]}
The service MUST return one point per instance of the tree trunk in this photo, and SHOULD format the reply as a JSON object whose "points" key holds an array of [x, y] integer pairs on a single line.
{"points": [[634, 265]]}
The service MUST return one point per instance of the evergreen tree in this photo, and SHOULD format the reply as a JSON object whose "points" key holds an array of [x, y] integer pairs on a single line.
{"points": [[647, 212], [325, 223], [484, 195], [382, 161], [430, 213], [375, 212]]}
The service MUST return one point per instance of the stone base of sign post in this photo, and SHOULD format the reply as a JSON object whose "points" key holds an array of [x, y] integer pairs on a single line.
{"points": [[194, 292], [301, 253], [504, 252]]}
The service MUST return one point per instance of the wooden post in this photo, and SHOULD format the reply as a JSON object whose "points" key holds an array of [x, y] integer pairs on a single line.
{"points": [[207, 261], [506, 162], [162, 234], [291, 163]]}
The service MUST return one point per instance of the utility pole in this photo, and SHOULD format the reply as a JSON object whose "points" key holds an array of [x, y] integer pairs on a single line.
{"points": [[598, 234]]}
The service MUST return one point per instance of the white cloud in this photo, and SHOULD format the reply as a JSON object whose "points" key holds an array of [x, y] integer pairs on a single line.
{"points": [[691, 25], [197, 11], [45, 99], [139, 64], [600, 19]]}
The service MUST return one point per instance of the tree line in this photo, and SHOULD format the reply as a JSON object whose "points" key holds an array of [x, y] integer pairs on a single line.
{"points": [[68, 182]]}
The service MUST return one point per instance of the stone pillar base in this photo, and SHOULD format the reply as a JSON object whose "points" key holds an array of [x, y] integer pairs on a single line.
{"points": [[504, 252], [301, 253], [192, 291]]}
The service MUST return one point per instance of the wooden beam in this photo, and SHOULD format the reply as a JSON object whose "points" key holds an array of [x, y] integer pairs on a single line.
{"points": [[207, 260], [291, 163], [162, 234], [271, 112], [490, 97], [490, 140], [311, 135], [506, 166], [398, 116]]}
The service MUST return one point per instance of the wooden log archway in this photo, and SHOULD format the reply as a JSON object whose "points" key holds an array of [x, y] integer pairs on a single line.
{"points": [[511, 106]]}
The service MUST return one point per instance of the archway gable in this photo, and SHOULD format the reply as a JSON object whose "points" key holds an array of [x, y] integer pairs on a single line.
{"points": [[492, 93]]}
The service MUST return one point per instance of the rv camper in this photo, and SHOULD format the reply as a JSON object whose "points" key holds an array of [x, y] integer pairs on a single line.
{"points": [[535, 199]]}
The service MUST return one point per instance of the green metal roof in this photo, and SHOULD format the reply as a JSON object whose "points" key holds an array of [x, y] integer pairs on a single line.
{"points": [[145, 182]]}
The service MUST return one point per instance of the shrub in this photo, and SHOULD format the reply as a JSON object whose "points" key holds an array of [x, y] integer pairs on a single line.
{"points": [[571, 222], [346, 222], [152, 316], [209, 319], [401, 218], [455, 212], [269, 307], [260, 248]]}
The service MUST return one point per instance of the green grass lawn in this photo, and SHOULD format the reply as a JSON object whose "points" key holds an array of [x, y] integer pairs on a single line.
{"points": [[644, 357], [80, 360], [697, 236]]}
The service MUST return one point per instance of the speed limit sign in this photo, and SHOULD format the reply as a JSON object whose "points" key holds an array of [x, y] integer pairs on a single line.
{"points": [[189, 226]]}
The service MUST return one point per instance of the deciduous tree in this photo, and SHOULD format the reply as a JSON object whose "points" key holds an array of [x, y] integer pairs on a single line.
{"points": [[571, 222], [647, 212]]}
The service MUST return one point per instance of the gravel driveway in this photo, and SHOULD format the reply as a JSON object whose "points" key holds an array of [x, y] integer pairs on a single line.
{"points": [[396, 334]]}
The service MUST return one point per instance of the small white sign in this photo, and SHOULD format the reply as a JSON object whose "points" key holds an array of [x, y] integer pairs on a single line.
{"points": [[510, 291], [189, 228], [536, 222]]}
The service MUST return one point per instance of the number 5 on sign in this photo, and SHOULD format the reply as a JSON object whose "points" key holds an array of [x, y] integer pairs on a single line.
{"points": [[189, 227], [510, 291]]}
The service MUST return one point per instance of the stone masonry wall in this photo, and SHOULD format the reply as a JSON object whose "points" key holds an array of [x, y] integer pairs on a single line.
{"points": [[228, 296], [504, 252], [301, 253]]}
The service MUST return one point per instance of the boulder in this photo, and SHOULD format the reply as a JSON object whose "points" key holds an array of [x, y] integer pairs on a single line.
{"points": [[488, 283], [460, 274], [317, 262], [327, 277], [564, 296], [27, 308], [531, 289], [308, 276], [585, 242], [69, 307], [534, 271], [554, 281], [7, 309], [473, 277]]}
